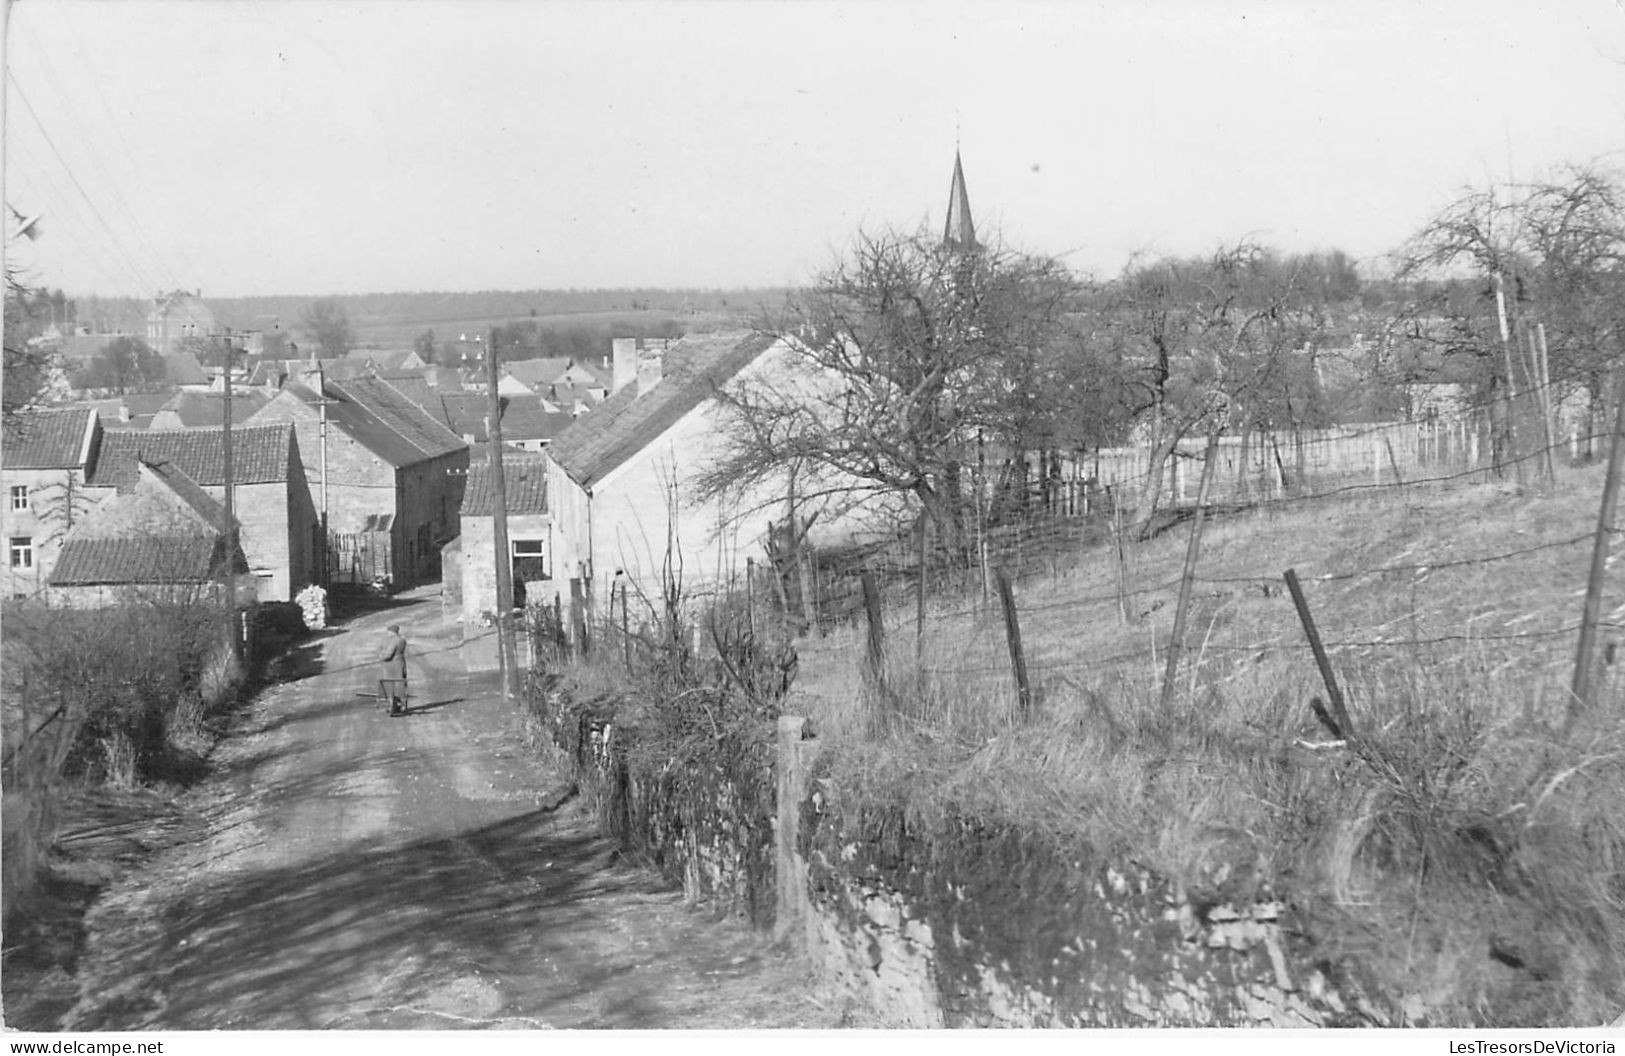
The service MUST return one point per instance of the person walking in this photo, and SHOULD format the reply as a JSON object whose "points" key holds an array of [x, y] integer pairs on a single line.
{"points": [[394, 661]]}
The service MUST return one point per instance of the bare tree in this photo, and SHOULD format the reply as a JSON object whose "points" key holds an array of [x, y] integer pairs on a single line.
{"points": [[1551, 253], [328, 324], [902, 355], [1211, 343]]}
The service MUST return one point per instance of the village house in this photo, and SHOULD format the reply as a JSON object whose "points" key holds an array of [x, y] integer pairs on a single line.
{"points": [[618, 487], [388, 476], [189, 409], [271, 498], [175, 317], [471, 589], [45, 458], [164, 538]]}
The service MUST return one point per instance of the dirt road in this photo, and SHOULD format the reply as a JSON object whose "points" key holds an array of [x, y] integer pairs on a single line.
{"points": [[365, 871]]}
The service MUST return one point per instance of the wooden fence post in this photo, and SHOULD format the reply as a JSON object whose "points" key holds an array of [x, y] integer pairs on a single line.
{"points": [[1340, 713], [919, 596], [876, 658], [578, 619], [1012, 635], [1393, 463], [1192, 551], [750, 595], [792, 911], [1122, 555], [626, 630], [1581, 689]]}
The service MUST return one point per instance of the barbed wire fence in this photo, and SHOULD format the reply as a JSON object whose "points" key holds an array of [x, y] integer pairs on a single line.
{"points": [[1063, 521]]}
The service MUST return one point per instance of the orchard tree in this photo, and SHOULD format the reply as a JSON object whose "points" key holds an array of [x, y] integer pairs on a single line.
{"points": [[328, 324], [1549, 253], [425, 347], [904, 355], [1224, 342], [125, 364]]}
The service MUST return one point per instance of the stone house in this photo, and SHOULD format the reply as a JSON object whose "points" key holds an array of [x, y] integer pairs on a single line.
{"points": [[272, 500], [176, 316], [45, 458], [164, 537], [197, 410], [393, 475], [617, 483], [525, 477]]}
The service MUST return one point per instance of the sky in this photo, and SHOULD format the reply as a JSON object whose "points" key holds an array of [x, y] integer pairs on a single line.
{"points": [[318, 147]]}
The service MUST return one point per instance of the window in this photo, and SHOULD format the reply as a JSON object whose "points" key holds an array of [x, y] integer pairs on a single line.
{"points": [[529, 559], [22, 551], [19, 497]]}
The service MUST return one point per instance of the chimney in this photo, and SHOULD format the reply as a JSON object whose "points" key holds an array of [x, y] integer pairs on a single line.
{"points": [[651, 360], [624, 364]]}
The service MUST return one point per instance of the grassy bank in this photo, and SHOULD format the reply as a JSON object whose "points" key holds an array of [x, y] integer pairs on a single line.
{"points": [[1468, 845]]}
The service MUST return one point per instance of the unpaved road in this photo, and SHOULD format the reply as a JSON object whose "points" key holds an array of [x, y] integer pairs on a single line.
{"points": [[364, 871]]}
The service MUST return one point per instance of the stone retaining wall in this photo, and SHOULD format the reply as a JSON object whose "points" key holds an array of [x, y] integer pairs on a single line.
{"points": [[973, 926]]}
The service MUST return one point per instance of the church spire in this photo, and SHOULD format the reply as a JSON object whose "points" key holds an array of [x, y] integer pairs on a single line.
{"points": [[959, 233]]}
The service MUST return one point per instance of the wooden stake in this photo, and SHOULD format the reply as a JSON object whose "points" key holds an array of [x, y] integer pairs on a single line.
{"points": [[1582, 690], [1193, 549], [1340, 712], [1543, 378], [1122, 556], [919, 596], [626, 636], [876, 658], [1012, 635]]}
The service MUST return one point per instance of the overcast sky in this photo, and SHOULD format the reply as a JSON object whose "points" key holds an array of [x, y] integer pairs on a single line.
{"points": [[346, 146]]}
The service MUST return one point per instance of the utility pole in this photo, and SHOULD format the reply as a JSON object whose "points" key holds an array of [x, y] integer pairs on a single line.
{"points": [[231, 514], [504, 559]]}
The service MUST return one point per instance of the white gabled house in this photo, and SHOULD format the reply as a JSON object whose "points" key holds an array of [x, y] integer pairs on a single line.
{"points": [[619, 482]]}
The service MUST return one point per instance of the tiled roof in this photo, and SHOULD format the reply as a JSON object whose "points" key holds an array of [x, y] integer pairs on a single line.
{"points": [[45, 439], [534, 372], [260, 454], [122, 560], [524, 418], [187, 490], [400, 414], [464, 413], [182, 368], [524, 476], [194, 409], [693, 369], [358, 423]]}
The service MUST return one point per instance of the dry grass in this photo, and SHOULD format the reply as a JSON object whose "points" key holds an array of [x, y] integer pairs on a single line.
{"points": [[1469, 849]]}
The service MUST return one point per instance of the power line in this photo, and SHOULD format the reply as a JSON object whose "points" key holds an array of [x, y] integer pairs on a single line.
{"points": [[135, 268]]}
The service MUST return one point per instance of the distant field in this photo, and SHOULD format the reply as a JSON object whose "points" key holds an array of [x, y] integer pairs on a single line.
{"points": [[392, 334]]}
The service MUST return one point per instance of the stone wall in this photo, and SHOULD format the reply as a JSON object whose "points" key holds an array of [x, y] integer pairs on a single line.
{"points": [[990, 927], [705, 826], [970, 925]]}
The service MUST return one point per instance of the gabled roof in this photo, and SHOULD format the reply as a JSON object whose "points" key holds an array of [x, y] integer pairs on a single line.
{"points": [[524, 478], [693, 369], [534, 372], [48, 439], [526, 418], [194, 409], [397, 412], [464, 413], [182, 368], [128, 560], [166, 529], [260, 454]]}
